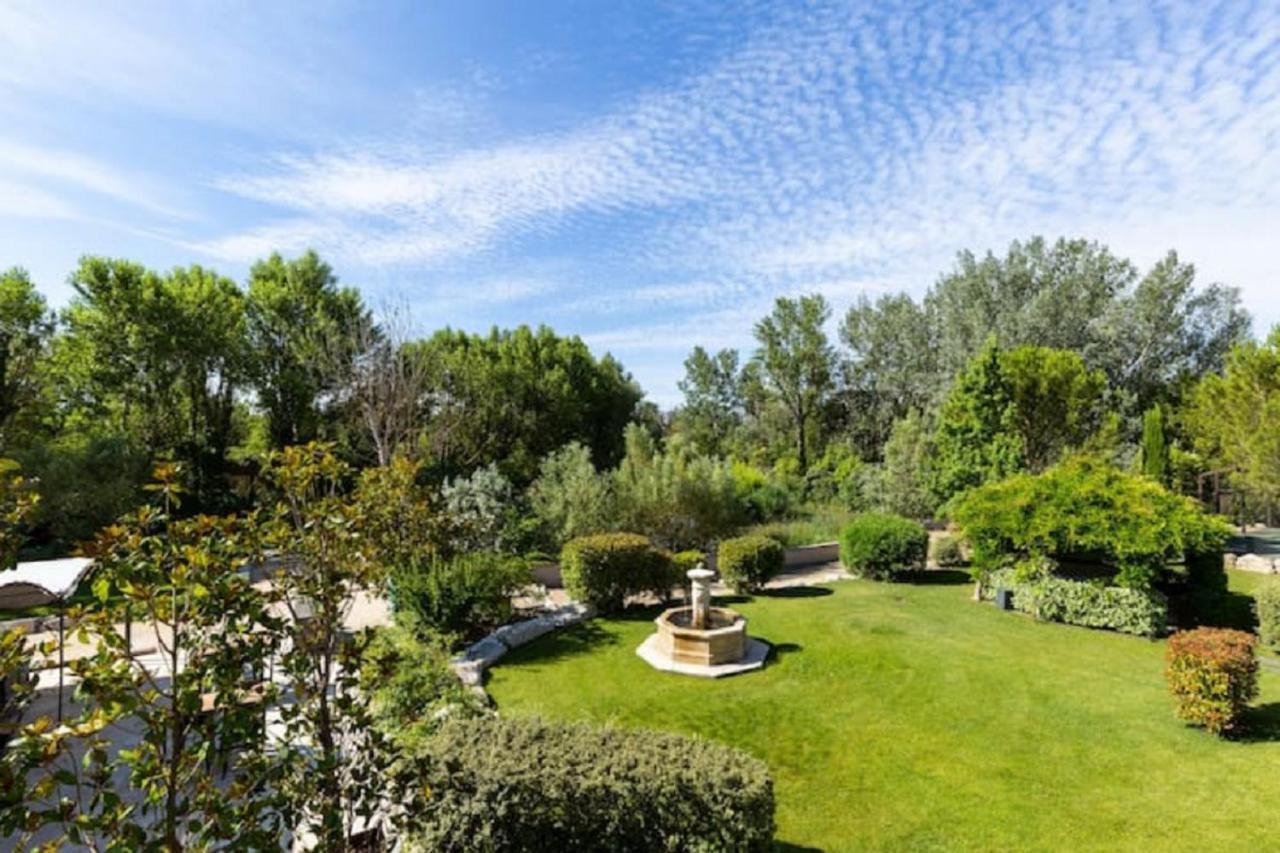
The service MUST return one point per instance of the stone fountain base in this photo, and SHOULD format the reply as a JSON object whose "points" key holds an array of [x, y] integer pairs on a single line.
{"points": [[721, 648]]}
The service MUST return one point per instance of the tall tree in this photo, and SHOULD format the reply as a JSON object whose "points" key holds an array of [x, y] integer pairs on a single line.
{"points": [[1155, 446], [976, 438], [713, 406], [797, 364], [1056, 401], [159, 357], [188, 701], [893, 365], [25, 327], [1150, 334], [1232, 419], [513, 396], [296, 310]]}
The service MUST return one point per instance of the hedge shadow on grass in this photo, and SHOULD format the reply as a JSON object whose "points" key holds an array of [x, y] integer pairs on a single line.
{"points": [[797, 592], [1260, 724], [933, 577], [786, 847]]}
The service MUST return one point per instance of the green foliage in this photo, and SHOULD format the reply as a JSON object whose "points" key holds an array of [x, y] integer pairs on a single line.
{"points": [[1266, 604], [976, 442], [1056, 401], [461, 597], [1155, 447], [713, 406], [1086, 509], [672, 495], [1087, 604], [514, 396], [683, 562], [893, 370], [412, 688], [948, 552], [570, 498], [298, 319], [506, 784], [765, 497], [605, 569], [483, 510], [180, 580], [794, 365], [879, 545], [901, 484], [17, 504], [25, 327], [330, 761], [159, 358], [815, 525], [747, 562], [1232, 420], [85, 482], [1213, 675]]}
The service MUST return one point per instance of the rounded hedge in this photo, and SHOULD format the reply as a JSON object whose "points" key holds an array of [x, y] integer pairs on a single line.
{"points": [[747, 562], [523, 784], [877, 545], [1213, 675], [606, 568]]}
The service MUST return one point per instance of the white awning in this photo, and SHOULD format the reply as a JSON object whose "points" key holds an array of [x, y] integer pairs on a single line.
{"points": [[40, 582]]}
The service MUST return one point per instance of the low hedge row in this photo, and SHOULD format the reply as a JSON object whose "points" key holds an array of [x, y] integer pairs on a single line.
{"points": [[878, 545], [604, 569], [747, 562], [1213, 674], [1055, 599], [524, 784]]}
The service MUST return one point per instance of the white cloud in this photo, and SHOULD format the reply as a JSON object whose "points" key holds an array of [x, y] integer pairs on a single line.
{"points": [[74, 171]]}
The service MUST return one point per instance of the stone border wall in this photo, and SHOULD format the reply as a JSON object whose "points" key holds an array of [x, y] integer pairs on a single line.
{"points": [[548, 574], [470, 666]]}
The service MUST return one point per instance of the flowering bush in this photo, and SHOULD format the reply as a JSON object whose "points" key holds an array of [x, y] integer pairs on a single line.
{"points": [[1213, 674]]}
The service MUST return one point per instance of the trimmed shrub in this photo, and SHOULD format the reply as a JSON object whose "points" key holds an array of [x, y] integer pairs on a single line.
{"points": [[1266, 604], [523, 784], [877, 545], [459, 597], [604, 569], [1213, 674], [747, 562], [1087, 604], [947, 552]]}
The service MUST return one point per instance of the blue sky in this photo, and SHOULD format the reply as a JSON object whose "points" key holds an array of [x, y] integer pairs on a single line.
{"points": [[648, 175]]}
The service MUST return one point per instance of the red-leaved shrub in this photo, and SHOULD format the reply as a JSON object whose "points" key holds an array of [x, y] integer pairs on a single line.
{"points": [[1213, 673]]}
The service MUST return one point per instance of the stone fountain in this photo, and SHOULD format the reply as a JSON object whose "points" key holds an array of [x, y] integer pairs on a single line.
{"points": [[701, 639]]}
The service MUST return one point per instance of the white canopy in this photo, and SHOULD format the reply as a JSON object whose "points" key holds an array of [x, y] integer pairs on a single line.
{"points": [[42, 582]]}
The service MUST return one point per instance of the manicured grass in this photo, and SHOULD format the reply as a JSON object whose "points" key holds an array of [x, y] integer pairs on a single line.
{"points": [[901, 716]]}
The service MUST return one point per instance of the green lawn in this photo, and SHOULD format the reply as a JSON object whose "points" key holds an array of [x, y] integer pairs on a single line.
{"points": [[903, 716]]}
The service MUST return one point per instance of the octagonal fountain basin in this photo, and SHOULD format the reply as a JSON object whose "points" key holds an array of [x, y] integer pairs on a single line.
{"points": [[721, 648]]}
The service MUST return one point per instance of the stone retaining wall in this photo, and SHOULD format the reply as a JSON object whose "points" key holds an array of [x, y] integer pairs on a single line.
{"points": [[548, 574]]}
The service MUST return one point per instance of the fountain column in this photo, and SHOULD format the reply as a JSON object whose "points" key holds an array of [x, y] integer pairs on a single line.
{"points": [[700, 581]]}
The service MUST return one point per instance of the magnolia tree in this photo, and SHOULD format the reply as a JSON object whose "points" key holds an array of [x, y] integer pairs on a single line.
{"points": [[335, 771], [230, 715], [164, 713]]}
